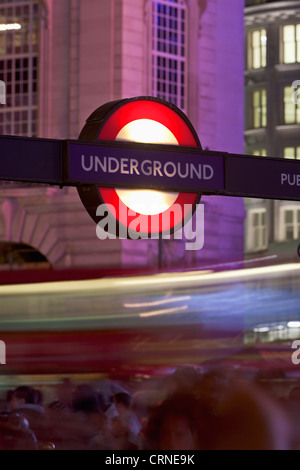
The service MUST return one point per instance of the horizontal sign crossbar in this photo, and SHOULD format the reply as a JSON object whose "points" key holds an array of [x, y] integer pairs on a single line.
{"points": [[145, 167], [150, 166]]}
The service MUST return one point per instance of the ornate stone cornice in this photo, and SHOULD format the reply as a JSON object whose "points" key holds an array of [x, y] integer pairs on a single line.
{"points": [[271, 12]]}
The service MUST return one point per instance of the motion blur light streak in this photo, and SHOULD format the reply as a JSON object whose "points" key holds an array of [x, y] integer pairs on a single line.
{"points": [[157, 302], [10, 27], [196, 278], [293, 324], [164, 311], [162, 320]]}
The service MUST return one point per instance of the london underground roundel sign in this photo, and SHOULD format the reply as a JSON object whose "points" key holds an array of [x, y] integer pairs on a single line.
{"points": [[146, 120]]}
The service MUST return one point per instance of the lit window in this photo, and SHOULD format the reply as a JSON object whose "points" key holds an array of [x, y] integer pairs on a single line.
{"points": [[258, 229], [291, 109], [257, 51], [259, 104], [169, 28], [291, 223], [291, 44], [292, 153], [260, 152]]}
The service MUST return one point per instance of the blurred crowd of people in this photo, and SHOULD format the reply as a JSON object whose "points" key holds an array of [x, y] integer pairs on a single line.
{"points": [[190, 410]]}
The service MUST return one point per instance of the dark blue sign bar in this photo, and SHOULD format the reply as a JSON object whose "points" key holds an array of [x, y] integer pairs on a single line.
{"points": [[30, 160], [137, 165], [150, 166], [262, 177]]}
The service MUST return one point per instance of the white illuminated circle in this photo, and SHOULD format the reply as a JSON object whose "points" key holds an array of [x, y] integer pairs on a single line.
{"points": [[147, 131], [147, 202]]}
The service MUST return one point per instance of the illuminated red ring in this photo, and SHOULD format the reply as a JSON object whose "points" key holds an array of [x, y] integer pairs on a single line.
{"points": [[175, 121]]}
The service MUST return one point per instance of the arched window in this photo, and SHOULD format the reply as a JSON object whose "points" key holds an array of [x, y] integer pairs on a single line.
{"points": [[169, 51]]}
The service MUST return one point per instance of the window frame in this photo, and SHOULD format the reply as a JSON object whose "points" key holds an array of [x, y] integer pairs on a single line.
{"points": [[296, 43], [296, 150], [262, 49], [289, 101], [295, 209], [20, 70], [164, 63], [262, 230], [262, 110]]}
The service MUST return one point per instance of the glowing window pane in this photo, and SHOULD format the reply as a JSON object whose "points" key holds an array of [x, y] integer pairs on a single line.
{"points": [[263, 41], [259, 109], [297, 114], [289, 44], [259, 230], [289, 33], [256, 58], [264, 56], [256, 39], [258, 49], [260, 153], [264, 108], [256, 109], [289, 107], [289, 152], [256, 100]]}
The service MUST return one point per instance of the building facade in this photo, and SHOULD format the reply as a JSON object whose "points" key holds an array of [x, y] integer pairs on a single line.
{"points": [[272, 118], [60, 60]]}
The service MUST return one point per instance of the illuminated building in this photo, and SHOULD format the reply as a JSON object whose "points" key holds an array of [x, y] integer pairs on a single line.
{"points": [[70, 57], [272, 117]]}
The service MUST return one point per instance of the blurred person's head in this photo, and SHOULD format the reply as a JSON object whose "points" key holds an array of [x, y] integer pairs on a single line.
{"points": [[185, 378], [22, 395], [251, 420], [122, 401], [179, 423], [85, 399], [214, 389]]}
